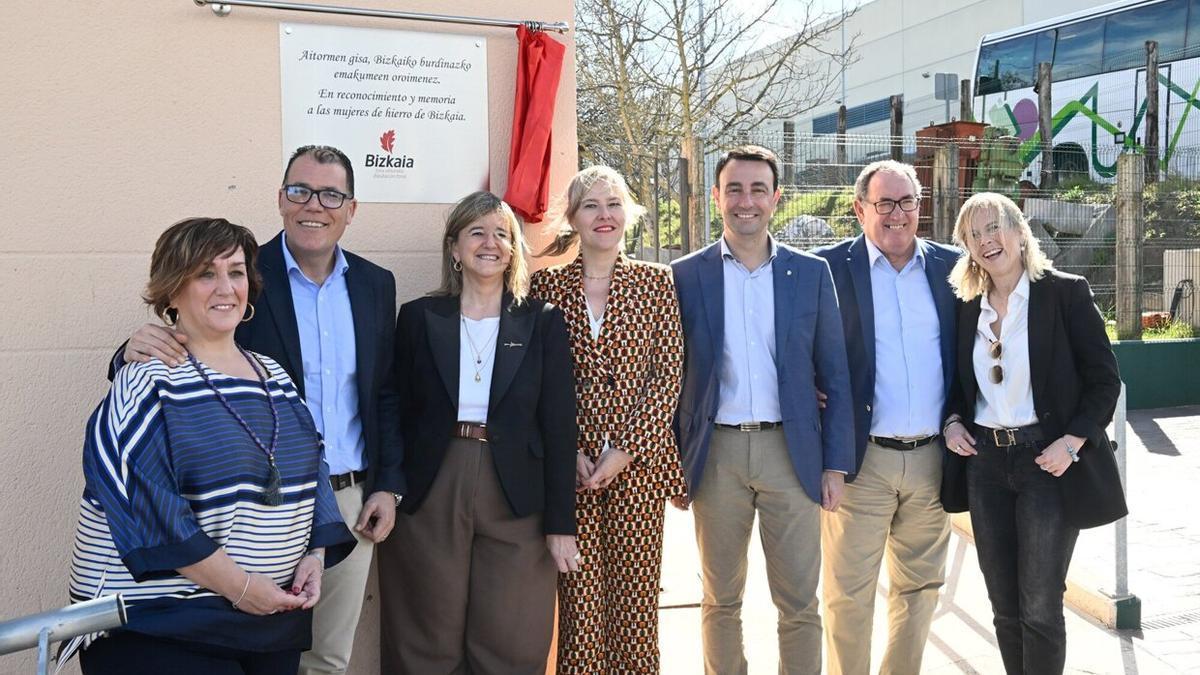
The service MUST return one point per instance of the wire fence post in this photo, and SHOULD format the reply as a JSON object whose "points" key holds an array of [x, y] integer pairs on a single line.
{"points": [[1130, 225]]}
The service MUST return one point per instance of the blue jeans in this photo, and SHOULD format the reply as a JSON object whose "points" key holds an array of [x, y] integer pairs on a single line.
{"points": [[1024, 549]]}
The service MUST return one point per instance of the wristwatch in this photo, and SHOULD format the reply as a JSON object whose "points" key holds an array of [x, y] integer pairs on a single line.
{"points": [[399, 497]]}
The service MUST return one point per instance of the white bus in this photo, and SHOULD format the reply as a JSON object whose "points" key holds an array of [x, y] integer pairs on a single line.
{"points": [[1098, 88]]}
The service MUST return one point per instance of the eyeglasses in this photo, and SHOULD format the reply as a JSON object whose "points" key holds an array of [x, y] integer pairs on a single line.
{"points": [[996, 372], [300, 194], [885, 206]]}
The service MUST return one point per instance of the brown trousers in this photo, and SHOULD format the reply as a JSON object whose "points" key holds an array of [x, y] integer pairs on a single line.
{"points": [[465, 587]]}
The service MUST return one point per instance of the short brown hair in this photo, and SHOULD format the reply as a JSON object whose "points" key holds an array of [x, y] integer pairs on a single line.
{"points": [[468, 210], [184, 249], [749, 153]]}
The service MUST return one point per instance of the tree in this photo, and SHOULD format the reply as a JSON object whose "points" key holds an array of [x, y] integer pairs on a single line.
{"points": [[688, 75]]}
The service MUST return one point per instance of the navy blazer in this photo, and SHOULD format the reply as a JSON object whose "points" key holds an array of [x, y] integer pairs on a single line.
{"points": [[809, 355], [273, 332], [851, 268]]}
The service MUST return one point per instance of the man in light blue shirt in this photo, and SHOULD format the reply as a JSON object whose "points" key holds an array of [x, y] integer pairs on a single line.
{"points": [[762, 331], [899, 314]]}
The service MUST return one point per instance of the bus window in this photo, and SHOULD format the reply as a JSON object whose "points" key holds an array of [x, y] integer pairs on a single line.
{"points": [[1080, 46], [1044, 50], [1193, 31], [1006, 65], [1126, 34]]}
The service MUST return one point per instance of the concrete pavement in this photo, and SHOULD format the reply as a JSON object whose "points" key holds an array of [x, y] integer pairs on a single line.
{"points": [[1163, 486]]}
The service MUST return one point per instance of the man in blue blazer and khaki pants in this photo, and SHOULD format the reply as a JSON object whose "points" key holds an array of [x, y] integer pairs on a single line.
{"points": [[898, 312], [762, 334]]}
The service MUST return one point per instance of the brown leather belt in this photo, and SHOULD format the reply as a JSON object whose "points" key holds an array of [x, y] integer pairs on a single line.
{"points": [[345, 480], [472, 430]]}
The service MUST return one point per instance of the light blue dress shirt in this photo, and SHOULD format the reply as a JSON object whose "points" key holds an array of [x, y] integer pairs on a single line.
{"points": [[908, 353], [749, 382], [330, 354]]}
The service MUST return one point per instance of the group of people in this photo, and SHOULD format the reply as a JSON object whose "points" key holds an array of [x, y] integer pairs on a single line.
{"points": [[511, 439]]}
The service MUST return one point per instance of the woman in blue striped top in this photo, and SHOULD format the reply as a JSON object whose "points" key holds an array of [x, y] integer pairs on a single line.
{"points": [[207, 502]]}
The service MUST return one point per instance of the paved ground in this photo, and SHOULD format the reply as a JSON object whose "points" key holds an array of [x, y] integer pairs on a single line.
{"points": [[1163, 572]]}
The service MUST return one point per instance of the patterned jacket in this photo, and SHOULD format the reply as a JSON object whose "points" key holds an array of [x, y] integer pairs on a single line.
{"points": [[627, 382]]}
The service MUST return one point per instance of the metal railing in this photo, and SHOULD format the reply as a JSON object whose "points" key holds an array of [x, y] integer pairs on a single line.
{"points": [[40, 630], [224, 8]]}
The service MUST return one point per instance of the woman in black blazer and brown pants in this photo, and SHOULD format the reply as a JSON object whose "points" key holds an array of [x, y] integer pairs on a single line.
{"points": [[1038, 384], [467, 580]]}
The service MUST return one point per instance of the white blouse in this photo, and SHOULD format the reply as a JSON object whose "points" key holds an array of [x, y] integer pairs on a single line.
{"points": [[595, 323], [475, 369], [1008, 404]]}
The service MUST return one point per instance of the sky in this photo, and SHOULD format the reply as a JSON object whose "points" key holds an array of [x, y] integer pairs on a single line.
{"points": [[782, 23]]}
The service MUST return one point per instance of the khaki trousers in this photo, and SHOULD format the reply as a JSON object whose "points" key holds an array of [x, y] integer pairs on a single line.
{"points": [[748, 473], [465, 587], [335, 618], [893, 506]]}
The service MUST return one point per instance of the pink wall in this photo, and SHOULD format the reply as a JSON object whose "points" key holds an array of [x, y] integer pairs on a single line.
{"points": [[120, 118]]}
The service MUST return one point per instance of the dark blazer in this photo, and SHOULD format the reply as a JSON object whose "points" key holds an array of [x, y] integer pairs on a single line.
{"points": [[531, 425], [273, 332], [809, 355], [1075, 383], [850, 266]]}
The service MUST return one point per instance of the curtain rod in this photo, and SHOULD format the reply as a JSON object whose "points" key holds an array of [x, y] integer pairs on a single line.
{"points": [[224, 8]]}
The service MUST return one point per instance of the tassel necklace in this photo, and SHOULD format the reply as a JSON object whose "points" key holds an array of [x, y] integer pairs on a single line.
{"points": [[272, 496]]}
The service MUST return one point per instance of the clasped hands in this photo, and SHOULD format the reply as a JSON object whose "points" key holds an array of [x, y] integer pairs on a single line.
{"points": [[601, 473], [1054, 459]]}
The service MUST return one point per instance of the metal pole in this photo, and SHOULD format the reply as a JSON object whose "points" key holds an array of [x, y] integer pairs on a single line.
{"points": [[1122, 529], [92, 616], [224, 8], [43, 665]]}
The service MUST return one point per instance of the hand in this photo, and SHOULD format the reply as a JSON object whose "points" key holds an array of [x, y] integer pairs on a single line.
{"points": [[377, 517], [264, 597], [153, 341], [833, 484], [681, 502], [822, 397], [584, 468], [611, 464], [306, 583], [1055, 459], [959, 440], [563, 551]]}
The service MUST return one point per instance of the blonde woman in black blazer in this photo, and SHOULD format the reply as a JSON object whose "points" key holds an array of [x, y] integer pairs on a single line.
{"points": [[488, 415], [1037, 386]]}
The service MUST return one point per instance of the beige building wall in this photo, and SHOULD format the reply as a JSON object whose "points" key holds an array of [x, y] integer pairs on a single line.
{"points": [[120, 118]]}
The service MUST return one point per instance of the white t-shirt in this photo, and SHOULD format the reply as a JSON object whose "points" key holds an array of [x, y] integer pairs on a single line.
{"points": [[475, 368]]}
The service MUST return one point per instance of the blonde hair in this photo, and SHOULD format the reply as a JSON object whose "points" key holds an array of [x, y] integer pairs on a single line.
{"points": [[468, 210], [581, 184], [968, 277]]}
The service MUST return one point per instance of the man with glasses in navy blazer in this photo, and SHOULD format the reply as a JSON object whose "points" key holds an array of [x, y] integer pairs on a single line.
{"points": [[898, 312], [762, 333]]}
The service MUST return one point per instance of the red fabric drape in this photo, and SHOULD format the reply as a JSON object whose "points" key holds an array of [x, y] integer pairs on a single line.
{"points": [[539, 65]]}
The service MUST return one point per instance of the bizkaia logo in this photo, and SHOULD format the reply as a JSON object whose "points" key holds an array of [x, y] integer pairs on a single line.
{"points": [[389, 161]]}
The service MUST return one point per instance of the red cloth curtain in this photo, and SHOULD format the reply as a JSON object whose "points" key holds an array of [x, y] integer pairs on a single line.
{"points": [[539, 65]]}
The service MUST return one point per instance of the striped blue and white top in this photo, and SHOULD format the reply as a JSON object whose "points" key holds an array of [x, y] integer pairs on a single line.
{"points": [[171, 477]]}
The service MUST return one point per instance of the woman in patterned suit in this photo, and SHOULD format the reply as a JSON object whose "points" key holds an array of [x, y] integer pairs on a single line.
{"points": [[627, 344]]}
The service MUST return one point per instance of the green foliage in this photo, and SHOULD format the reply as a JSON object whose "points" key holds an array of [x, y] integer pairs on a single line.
{"points": [[1175, 330]]}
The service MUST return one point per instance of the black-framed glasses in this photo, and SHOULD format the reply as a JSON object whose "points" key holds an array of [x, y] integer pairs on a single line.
{"points": [[301, 194], [996, 372], [885, 206]]}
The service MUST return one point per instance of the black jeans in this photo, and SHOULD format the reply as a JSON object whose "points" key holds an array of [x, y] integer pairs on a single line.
{"points": [[1024, 549]]}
